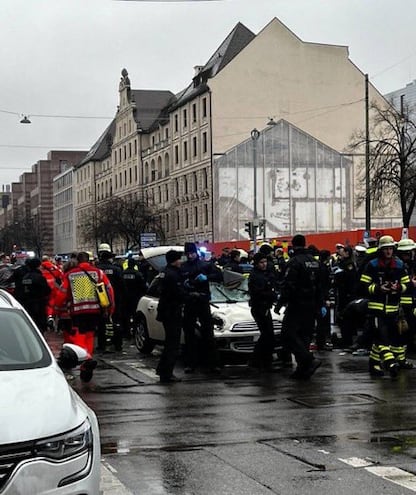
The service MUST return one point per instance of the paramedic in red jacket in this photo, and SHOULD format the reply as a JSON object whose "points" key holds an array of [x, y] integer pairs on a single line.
{"points": [[53, 276], [78, 291]]}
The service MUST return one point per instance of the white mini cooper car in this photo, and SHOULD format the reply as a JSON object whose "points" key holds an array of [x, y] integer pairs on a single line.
{"points": [[49, 438], [235, 330]]}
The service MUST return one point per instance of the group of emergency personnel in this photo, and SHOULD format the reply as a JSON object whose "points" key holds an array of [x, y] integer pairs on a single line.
{"points": [[372, 289]]}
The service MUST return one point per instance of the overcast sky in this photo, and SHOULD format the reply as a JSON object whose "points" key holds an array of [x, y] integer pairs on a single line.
{"points": [[64, 57]]}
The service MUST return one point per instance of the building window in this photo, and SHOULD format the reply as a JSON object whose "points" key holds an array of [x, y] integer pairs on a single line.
{"points": [[167, 222], [196, 216], [205, 178], [204, 108], [135, 146], [178, 222], [185, 118], [129, 150], [119, 155], [194, 112], [194, 147], [185, 151], [186, 218], [206, 214], [185, 182], [167, 133], [176, 122], [176, 154], [204, 142], [195, 182], [125, 152], [176, 187]]}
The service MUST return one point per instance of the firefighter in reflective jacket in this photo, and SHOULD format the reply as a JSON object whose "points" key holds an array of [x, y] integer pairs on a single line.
{"points": [[385, 278]]}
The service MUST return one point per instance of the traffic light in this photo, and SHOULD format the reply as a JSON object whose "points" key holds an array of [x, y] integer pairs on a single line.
{"points": [[262, 227], [249, 229]]}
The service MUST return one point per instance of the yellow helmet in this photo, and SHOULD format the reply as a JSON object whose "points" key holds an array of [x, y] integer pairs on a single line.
{"points": [[386, 241]]}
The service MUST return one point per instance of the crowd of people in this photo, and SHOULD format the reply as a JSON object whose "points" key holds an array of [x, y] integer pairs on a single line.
{"points": [[368, 290]]}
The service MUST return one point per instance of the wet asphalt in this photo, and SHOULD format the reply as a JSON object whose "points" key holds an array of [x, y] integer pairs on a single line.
{"points": [[243, 432]]}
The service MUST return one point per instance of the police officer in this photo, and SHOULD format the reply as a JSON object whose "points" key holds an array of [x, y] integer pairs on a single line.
{"points": [[115, 275], [301, 293], [35, 293], [197, 274], [262, 290], [169, 312], [135, 288]]}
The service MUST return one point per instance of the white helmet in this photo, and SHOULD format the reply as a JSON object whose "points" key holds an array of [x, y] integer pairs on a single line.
{"points": [[406, 245], [104, 248], [386, 241]]}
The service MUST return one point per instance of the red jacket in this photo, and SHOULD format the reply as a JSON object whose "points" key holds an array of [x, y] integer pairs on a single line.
{"points": [[53, 276], [78, 290]]}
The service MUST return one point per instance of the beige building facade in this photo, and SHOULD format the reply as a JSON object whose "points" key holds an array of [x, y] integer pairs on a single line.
{"points": [[163, 147]]}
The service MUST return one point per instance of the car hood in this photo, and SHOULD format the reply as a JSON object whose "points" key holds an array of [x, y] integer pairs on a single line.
{"points": [[236, 312], [37, 403]]}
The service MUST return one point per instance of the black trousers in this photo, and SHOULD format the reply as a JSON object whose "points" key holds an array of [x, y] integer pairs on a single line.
{"points": [[297, 330], [199, 310], [173, 330], [263, 350]]}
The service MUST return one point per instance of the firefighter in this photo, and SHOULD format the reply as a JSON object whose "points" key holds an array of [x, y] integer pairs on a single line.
{"points": [[405, 251], [385, 279]]}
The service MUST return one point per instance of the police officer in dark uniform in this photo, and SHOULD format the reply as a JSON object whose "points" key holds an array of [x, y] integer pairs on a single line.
{"points": [[135, 287], [35, 293], [115, 275], [197, 274], [301, 293], [262, 290], [169, 312]]}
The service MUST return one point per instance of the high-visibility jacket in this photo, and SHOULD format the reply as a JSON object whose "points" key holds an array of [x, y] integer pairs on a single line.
{"points": [[378, 272], [78, 290]]}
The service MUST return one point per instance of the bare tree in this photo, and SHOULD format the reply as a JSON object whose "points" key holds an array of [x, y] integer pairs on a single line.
{"points": [[392, 157], [124, 218]]}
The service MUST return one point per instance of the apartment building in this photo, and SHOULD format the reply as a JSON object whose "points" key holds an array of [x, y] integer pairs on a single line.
{"points": [[163, 147]]}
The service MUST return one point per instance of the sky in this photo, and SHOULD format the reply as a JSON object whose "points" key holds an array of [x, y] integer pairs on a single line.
{"points": [[61, 59]]}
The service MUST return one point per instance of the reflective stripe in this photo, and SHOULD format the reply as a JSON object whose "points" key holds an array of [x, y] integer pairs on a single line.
{"points": [[375, 305], [365, 278], [405, 279], [372, 288], [406, 300]]}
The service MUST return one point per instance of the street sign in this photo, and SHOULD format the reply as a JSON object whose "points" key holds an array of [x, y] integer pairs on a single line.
{"points": [[148, 239]]}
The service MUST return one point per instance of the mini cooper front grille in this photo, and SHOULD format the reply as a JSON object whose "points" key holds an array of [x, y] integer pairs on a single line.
{"points": [[251, 326]]}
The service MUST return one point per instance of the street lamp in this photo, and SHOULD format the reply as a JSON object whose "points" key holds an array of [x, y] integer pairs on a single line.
{"points": [[255, 134]]}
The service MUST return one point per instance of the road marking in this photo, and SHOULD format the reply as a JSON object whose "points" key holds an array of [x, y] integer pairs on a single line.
{"points": [[356, 462], [389, 473], [110, 484], [395, 475]]}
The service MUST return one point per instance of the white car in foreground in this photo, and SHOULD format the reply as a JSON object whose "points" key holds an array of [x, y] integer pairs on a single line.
{"points": [[235, 330], [49, 438]]}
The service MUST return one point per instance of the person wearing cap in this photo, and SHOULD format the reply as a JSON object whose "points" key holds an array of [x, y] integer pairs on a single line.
{"points": [[405, 251], [169, 312], [360, 258], [384, 280], [115, 276], [302, 294], [197, 275], [262, 291]]}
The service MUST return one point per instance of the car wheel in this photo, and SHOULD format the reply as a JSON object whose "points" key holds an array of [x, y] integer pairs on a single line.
{"points": [[143, 342]]}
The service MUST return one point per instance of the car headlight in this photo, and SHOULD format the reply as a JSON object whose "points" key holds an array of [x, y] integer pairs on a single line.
{"points": [[72, 443], [218, 322]]}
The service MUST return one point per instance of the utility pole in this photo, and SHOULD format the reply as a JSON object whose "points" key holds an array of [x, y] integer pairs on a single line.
{"points": [[367, 162], [255, 134]]}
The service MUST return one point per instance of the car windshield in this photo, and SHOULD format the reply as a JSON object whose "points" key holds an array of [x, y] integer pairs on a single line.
{"points": [[222, 294], [20, 345]]}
